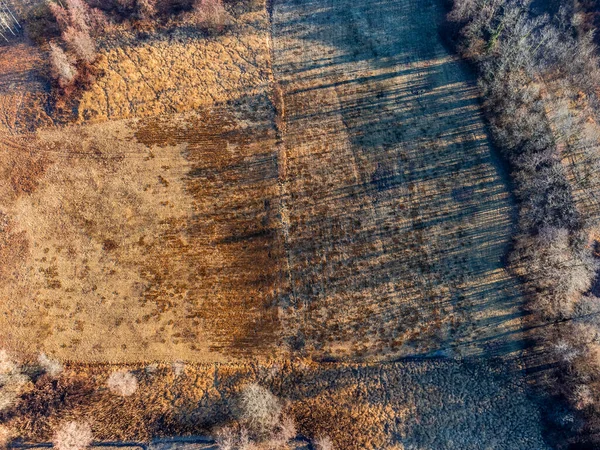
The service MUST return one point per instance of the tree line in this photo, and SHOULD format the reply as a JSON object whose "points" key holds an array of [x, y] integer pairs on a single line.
{"points": [[538, 75]]}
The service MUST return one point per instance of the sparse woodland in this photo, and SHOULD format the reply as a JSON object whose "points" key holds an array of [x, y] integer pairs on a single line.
{"points": [[538, 74], [71, 30]]}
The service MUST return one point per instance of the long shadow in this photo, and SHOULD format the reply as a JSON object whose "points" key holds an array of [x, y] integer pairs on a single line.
{"points": [[399, 215]]}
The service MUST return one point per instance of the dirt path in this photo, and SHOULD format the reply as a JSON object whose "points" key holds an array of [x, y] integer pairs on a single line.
{"points": [[397, 218]]}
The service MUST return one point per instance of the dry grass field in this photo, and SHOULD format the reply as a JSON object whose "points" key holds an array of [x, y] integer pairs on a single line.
{"points": [[433, 404], [349, 205], [315, 183], [396, 215], [180, 71], [148, 239]]}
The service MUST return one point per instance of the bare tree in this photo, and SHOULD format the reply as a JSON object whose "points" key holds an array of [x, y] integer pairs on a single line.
{"points": [[539, 79], [73, 436], [79, 14], [80, 42], [122, 383], [60, 15], [62, 67], [260, 409]]}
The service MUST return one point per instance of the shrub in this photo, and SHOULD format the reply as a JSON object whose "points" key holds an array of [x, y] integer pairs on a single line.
{"points": [[80, 43], [260, 409], [286, 430], [178, 368], [73, 436], [122, 383], [226, 439], [583, 396], [210, 14], [233, 439], [63, 69], [51, 366], [323, 443]]}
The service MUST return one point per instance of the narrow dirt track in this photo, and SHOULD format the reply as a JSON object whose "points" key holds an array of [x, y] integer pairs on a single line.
{"points": [[395, 213]]}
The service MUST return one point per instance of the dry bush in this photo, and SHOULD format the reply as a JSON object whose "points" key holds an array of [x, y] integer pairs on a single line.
{"points": [[286, 430], [151, 369], [73, 436], [226, 439], [260, 409], [80, 43], [51, 366], [230, 438], [63, 69], [122, 383], [211, 14], [583, 397], [323, 443], [565, 352], [178, 368], [238, 437], [146, 9], [6, 434]]}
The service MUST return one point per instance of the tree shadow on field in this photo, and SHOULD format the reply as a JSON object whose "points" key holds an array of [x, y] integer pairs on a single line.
{"points": [[400, 218], [464, 404]]}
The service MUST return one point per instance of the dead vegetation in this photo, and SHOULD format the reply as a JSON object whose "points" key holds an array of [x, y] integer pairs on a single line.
{"points": [[345, 208], [73, 436], [462, 405], [395, 213], [539, 76]]}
